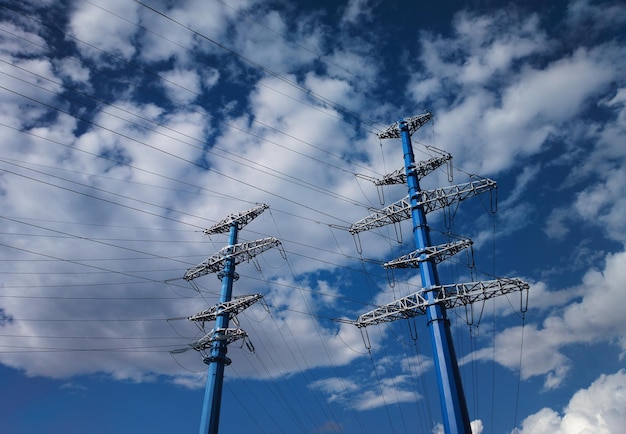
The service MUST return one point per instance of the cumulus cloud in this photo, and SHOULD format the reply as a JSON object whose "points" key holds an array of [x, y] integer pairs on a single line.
{"points": [[102, 31], [597, 317], [599, 202], [599, 409], [523, 108], [130, 182], [380, 390]]}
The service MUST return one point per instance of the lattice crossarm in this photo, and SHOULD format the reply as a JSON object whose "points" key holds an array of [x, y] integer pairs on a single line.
{"points": [[405, 307], [421, 169], [203, 343], [242, 219], [439, 198], [229, 335], [248, 250], [431, 200], [242, 252], [226, 335], [436, 253], [454, 295], [410, 260], [396, 212], [232, 307], [414, 123], [211, 265], [395, 177], [462, 294]]}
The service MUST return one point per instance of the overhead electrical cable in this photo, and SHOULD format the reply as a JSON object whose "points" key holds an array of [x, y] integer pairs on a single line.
{"points": [[123, 273], [307, 368], [157, 75], [249, 163], [257, 65], [234, 157], [318, 330], [201, 166], [280, 35]]}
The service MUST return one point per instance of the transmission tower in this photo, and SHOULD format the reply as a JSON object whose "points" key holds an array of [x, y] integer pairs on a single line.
{"points": [[217, 339], [433, 299]]}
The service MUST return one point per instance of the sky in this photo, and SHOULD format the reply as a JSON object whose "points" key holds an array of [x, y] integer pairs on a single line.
{"points": [[128, 127]]}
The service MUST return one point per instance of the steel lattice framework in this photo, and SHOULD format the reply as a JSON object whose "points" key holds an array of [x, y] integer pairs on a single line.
{"points": [[226, 335], [414, 123], [430, 200], [453, 295], [214, 345], [242, 219], [421, 169], [232, 308], [435, 253], [240, 252], [434, 299]]}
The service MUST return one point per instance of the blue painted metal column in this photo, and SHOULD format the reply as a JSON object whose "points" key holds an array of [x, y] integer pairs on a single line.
{"points": [[455, 414], [218, 360]]}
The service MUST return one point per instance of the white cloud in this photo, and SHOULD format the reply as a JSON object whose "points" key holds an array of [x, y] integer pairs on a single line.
{"points": [[377, 392], [476, 426], [358, 10], [481, 49], [592, 18], [601, 199], [517, 107], [73, 71], [99, 27], [182, 85], [15, 46], [285, 163], [598, 409], [597, 317], [278, 50]]}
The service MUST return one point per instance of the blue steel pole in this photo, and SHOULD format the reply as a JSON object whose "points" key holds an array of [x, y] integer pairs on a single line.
{"points": [[454, 407], [218, 360]]}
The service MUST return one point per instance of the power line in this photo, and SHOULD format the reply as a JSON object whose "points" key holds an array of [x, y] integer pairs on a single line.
{"points": [[156, 75], [246, 162], [200, 165], [306, 91]]}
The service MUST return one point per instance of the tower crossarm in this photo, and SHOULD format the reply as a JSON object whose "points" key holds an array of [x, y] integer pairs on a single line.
{"points": [[242, 219], [461, 294], [454, 295], [421, 169], [395, 177], [232, 308], [439, 198], [414, 123], [405, 307], [396, 212], [436, 253], [242, 252], [227, 335], [431, 200]]}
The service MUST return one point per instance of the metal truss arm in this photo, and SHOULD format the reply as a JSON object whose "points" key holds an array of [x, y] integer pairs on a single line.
{"points": [[454, 295], [421, 169], [442, 197], [232, 308], [227, 335], [437, 253], [431, 200], [241, 252], [242, 219], [414, 123], [396, 212]]}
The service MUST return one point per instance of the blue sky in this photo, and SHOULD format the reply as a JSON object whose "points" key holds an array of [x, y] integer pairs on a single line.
{"points": [[128, 127]]}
